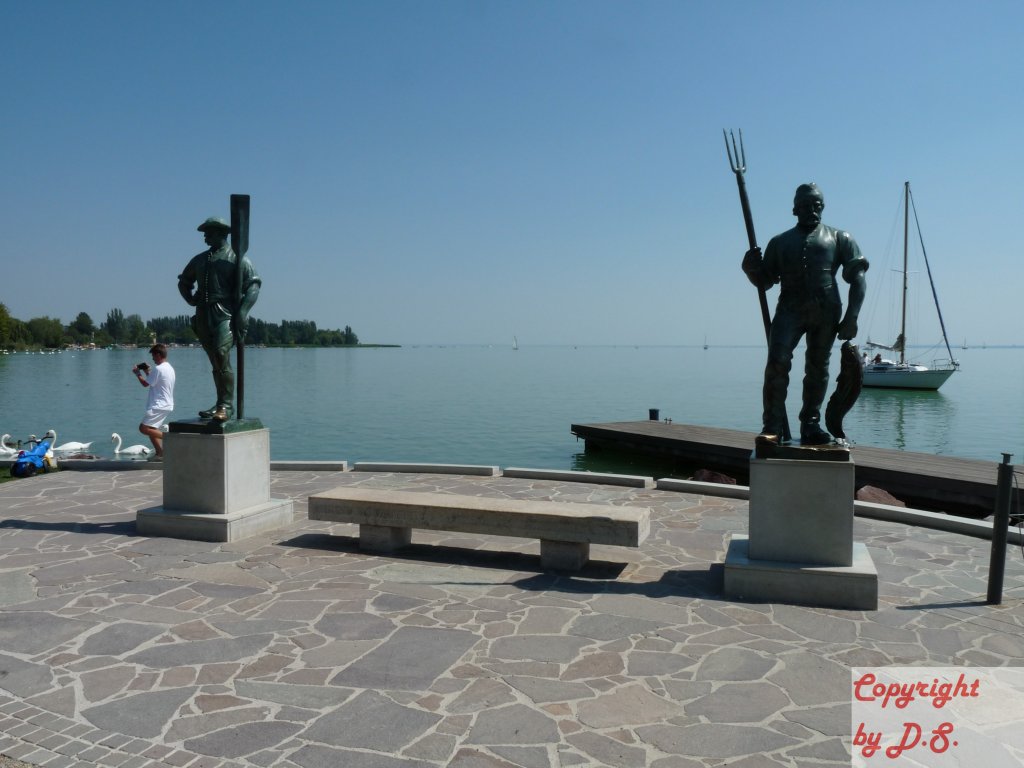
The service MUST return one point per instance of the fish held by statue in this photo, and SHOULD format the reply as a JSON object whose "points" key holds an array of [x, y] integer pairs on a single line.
{"points": [[848, 386]]}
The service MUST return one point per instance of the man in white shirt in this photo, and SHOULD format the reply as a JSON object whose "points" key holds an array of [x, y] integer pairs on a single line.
{"points": [[160, 381]]}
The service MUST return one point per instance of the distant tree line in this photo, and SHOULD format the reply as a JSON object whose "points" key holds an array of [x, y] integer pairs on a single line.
{"points": [[119, 328]]}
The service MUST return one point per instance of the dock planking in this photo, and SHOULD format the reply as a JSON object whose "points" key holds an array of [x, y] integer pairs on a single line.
{"points": [[940, 483]]}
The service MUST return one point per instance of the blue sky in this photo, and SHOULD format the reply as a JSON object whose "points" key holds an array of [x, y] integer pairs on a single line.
{"points": [[463, 172]]}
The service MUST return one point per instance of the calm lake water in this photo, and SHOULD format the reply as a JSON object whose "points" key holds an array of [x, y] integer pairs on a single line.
{"points": [[493, 404]]}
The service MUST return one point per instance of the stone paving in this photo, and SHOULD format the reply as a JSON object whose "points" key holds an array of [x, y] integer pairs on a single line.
{"points": [[294, 649]]}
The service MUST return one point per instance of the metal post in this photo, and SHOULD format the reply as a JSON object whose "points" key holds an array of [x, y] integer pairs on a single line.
{"points": [[1000, 531]]}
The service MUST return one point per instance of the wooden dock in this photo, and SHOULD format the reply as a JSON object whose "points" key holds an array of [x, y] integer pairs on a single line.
{"points": [[940, 483]]}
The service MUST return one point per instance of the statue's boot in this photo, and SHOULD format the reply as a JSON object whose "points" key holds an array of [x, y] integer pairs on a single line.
{"points": [[223, 413], [208, 413], [813, 434]]}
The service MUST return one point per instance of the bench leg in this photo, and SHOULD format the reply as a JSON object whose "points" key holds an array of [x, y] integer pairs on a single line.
{"points": [[383, 538], [563, 555]]}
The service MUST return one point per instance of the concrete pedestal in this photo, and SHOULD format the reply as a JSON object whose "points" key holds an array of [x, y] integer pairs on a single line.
{"points": [[801, 511], [800, 548], [216, 486], [853, 587]]}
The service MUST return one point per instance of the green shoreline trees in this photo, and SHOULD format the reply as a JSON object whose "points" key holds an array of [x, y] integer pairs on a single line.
{"points": [[119, 328]]}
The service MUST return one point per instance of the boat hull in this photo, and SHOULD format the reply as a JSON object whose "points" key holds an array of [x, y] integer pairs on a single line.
{"points": [[905, 376]]}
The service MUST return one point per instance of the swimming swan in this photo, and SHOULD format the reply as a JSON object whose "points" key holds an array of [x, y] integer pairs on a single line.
{"points": [[72, 446], [4, 450], [131, 450]]}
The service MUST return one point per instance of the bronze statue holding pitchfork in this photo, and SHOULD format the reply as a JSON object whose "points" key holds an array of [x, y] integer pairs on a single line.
{"points": [[806, 261]]}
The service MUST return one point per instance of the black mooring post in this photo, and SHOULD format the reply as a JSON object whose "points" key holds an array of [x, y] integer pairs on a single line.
{"points": [[1000, 531]]}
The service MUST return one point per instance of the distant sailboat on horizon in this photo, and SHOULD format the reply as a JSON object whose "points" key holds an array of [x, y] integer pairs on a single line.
{"points": [[515, 342]]}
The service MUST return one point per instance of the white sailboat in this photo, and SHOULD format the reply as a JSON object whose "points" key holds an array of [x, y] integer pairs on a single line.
{"points": [[901, 374], [515, 342]]}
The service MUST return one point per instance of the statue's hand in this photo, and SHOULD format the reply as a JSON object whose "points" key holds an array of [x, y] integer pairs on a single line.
{"points": [[847, 329], [239, 323], [752, 260]]}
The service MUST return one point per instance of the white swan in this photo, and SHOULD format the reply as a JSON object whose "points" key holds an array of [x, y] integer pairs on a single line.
{"points": [[67, 447], [4, 450], [131, 450]]}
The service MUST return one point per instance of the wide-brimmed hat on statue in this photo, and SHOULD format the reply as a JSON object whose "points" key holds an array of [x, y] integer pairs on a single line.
{"points": [[214, 223]]}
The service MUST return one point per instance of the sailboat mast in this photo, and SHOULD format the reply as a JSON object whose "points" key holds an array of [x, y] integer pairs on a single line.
{"points": [[906, 232]]}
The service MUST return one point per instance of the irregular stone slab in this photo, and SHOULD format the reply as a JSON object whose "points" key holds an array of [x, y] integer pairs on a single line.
{"points": [[457, 579], [101, 684], [151, 614], [526, 757], [371, 721], [118, 638], [594, 665], [61, 701], [708, 740], [656, 663], [81, 570], [481, 694], [812, 680], [640, 607], [23, 678], [324, 757], [609, 753], [734, 664], [313, 696], [816, 625], [144, 715], [433, 746], [165, 546], [354, 626], [201, 652], [474, 758], [193, 727], [514, 724], [629, 704], [219, 573], [16, 587], [396, 603], [542, 690], [545, 620], [243, 739], [241, 627], [740, 703], [539, 647], [832, 721], [337, 653], [30, 632], [150, 587], [610, 627], [410, 660], [228, 591]]}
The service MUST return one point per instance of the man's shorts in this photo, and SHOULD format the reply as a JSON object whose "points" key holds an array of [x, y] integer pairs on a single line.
{"points": [[155, 417]]}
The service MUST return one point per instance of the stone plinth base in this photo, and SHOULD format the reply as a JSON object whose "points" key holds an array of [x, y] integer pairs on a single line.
{"points": [[853, 587], [801, 511], [216, 473], [563, 555], [216, 484], [383, 539], [198, 526]]}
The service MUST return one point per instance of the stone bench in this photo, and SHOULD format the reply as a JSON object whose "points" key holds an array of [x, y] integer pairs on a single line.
{"points": [[566, 530]]}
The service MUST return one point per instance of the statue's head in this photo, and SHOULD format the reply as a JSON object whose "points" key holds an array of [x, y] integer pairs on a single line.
{"points": [[808, 203], [216, 230]]}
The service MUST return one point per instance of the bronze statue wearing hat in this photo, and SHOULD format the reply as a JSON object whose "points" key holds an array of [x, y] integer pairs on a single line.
{"points": [[210, 283], [806, 260]]}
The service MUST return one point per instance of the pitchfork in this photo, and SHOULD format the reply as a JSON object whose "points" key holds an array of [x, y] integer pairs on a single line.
{"points": [[738, 163]]}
